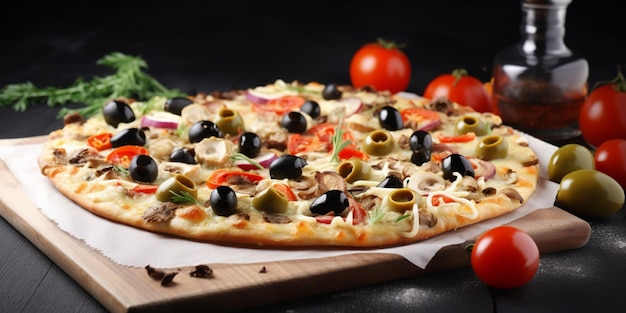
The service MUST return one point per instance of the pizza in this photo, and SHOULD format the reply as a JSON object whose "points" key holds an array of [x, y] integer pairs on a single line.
{"points": [[292, 164]]}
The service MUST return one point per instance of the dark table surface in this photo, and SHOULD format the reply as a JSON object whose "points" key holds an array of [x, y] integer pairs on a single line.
{"points": [[236, 44]]}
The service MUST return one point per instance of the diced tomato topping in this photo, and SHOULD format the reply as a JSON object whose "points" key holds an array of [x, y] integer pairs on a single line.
{"points": [[280, 106], [284, 188], [124, 154], [460, 138], [221, 176], [100, 141]]}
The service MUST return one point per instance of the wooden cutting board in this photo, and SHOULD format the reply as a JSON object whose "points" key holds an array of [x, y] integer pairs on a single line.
{"points": [[123, 289]]}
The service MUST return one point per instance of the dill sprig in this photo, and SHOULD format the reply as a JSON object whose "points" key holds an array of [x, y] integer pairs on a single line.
{"points": [[128, 80]]}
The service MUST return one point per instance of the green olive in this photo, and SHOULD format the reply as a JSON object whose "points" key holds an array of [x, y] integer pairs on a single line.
{"points": [[589, 193], [229, 121], [354, 169], [270, 200], [470, 123], [492, 147], [402, 199], [379, 142], [567, 159], [176, 185]]}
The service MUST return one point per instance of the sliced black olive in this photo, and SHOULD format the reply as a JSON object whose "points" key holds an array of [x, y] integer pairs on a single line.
{"points": [[294, 122], [250, 144], [391, 181], [287, 166], [203, 129], [420, 139], [183, 155], [331, 92], [116, 112], [311, 108], [223, 201], [421, 156], [177, 104], [129, 136], [331, 201], [456, 163], [390, 118], [143, 168]]}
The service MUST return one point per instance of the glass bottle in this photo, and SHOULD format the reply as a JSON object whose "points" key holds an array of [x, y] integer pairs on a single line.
{"points": [[539, 85]]}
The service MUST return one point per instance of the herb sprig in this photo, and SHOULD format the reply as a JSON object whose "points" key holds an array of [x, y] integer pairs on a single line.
{"points": [[183, 197], [128, 80], [240, 156], [338, 142]]}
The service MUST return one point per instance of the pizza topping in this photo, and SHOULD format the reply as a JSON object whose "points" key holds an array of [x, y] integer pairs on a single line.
{"points": [[249, 144], [456, 163], [270, 200], [492, 147], [160, 119], [470, 124], [331, 92], [424, 182], [276, 218], [512, 194], [214, 152], [354, 169], [101, 141], [379, 142], [390, 118], [223, 201], [229, 121], [335, 201], [183, 155], [176, 185], [73, 118], [143, 168], [129, 136], [116, 112], [287, 166], [175, 105], [402, 199], [161, 212]]}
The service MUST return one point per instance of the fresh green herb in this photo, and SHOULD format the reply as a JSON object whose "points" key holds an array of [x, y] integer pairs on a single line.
{"points": [[338, 142], [376, 215], [240, 156], [401, 217], [128, 81], [121, 170], [183, 197]]}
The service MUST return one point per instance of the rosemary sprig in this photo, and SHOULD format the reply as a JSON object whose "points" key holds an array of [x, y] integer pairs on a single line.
{"points": [[376, 215], [128, 80], [338, 142], [240, 156], [183, 197]]}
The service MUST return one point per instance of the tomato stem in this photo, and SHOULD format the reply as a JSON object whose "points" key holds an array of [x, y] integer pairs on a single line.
{"points": [[458, 73], [619, 82], [389, 45]]}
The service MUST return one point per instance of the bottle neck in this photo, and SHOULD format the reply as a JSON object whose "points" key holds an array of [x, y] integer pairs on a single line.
{"points": [[543, 27]]}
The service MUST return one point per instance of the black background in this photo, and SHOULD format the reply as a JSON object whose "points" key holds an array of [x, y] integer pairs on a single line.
{"points": [[224, 45]]}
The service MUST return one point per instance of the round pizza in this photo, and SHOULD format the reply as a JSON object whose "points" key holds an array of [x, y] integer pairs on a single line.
{"points": [[292, 164]]}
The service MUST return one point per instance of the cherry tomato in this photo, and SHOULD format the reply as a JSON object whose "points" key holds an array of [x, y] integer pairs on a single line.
{"points": [[124, 154], [610, 158], [505, 257], [461, 88], [603, 114], [381, 65]]}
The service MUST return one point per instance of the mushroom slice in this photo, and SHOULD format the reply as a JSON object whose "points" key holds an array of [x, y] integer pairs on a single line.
{"points": [[214, 152], [512, 194], [425, 182]]}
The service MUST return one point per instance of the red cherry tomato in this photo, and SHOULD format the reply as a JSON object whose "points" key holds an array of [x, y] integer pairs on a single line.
{"points": [[461, 88], [381, 65], [505, 257], [603, 114], [610, 158]]}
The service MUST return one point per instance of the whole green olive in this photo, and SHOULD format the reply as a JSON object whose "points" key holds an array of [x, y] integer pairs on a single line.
{"points": [[354, 169], [379, 142], [270, 200], [402, 199], [176, 185], [470, 123], [589, 193], [492, 147], [229, 121], [567, 159]]}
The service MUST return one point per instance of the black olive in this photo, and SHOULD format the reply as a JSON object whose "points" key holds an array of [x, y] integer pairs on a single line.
{"points": [[287, 166], [129, 136], [294, 122], [331, 201], [203, 129], [391, 181], [143, 168], [420, 139], [456, 163], [183, 155], [311, 108], [176, 105], [390, 118], [331, 92], [116, 112], [421, 156], [223, 201], [250, 144]]}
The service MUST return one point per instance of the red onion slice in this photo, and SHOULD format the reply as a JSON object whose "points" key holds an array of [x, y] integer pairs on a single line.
{"points": [[160, 120], [264, 159]]}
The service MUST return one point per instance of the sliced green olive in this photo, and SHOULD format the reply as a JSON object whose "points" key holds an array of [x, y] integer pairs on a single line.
{"points": [[402, 199], [470, 123], [229, 121], [567, 159], [354, 169], [176, 185], [379, 142], [270, 200], [492, 147]]}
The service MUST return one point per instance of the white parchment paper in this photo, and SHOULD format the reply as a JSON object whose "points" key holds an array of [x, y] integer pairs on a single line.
{"points": [[133, 247]]}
